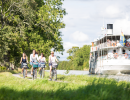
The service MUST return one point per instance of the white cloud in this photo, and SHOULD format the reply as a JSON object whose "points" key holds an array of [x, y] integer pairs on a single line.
{"points": [[113, 11], [123, 24], [79, 36], [68, 45], [85, 17]]}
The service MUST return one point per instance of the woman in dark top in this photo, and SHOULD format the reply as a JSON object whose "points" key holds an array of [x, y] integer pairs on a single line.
{"points": [[24, 59]]}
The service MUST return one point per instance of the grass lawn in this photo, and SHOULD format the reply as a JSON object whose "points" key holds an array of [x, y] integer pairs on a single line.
{"points": [[67, 88]]}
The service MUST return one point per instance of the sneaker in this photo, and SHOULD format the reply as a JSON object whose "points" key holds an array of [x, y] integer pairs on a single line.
{"points": [[50, 79], [55, 79]]}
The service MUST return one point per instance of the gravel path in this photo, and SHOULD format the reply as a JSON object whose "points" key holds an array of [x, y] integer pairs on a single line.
{"points": [[71, 72], [18, 75], [29, 77], [120, 77]]}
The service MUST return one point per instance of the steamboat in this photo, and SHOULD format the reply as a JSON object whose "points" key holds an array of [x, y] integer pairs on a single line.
{"points": [[110, 54]]}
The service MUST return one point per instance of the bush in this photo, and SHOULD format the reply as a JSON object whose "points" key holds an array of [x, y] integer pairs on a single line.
{"points": [[86, 65], [2, 68]]}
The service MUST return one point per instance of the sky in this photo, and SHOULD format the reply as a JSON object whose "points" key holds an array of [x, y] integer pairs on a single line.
{"points": [[86, 17]]}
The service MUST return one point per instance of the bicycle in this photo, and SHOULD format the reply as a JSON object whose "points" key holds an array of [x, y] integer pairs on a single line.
{"points": [[24, 67], [35, 66], [54, 71], [42, 71]]}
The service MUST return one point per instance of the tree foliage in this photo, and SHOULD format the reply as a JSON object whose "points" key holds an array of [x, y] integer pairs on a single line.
{"points": [[78, 58], [30, 24]]}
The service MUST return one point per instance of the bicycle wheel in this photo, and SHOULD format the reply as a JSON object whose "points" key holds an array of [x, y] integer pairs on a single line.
{"points": [[33, 75], [52, 74], [42, 72], [23, 73], [55, 75]]}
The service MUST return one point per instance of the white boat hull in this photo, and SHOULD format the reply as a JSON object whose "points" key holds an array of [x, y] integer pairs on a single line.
{"points": [[114, 67]]}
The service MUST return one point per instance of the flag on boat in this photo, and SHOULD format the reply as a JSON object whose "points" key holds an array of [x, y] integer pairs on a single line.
{"points": [[122, 39], [102, 28]]}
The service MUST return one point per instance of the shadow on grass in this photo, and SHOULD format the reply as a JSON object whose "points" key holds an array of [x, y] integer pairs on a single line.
{"points": [[61, 78], [90, 92], [29, 77]]}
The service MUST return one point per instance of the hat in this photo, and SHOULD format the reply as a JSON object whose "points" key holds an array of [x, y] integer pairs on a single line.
{"points": [[52, 51]]}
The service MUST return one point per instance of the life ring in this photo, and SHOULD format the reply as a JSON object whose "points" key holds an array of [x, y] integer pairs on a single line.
{"points": [[126, 55], [115, 55], [113, 44], [127, 44]]}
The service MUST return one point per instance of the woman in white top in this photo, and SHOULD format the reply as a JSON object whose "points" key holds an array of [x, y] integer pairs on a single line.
{"points": [[33, 58], [52, 59], [42, 59]]}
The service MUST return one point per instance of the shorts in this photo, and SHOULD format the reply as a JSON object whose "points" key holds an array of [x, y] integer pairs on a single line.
{"points": [[50, 64]]}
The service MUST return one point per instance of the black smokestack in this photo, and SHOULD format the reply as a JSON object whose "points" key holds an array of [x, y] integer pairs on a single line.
{"points": [[109, 26]]}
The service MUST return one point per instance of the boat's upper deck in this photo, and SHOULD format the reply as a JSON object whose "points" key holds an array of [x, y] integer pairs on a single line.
{"points": [[110, 41]]}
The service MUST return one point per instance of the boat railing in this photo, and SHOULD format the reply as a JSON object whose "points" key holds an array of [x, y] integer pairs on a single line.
{"points": [[105, 45], [114, 56]]}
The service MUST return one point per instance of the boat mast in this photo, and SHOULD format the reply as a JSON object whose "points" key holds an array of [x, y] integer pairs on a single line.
{"points": [[102, 42]]}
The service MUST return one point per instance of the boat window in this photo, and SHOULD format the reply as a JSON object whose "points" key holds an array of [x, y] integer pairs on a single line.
{"points": [[114, 51], [123, 51], [105, 52]]}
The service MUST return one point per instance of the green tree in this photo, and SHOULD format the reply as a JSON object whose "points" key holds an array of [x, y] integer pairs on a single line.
{"points": [[15, 16], [72, 52], [30, 24], [78, 58]]}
